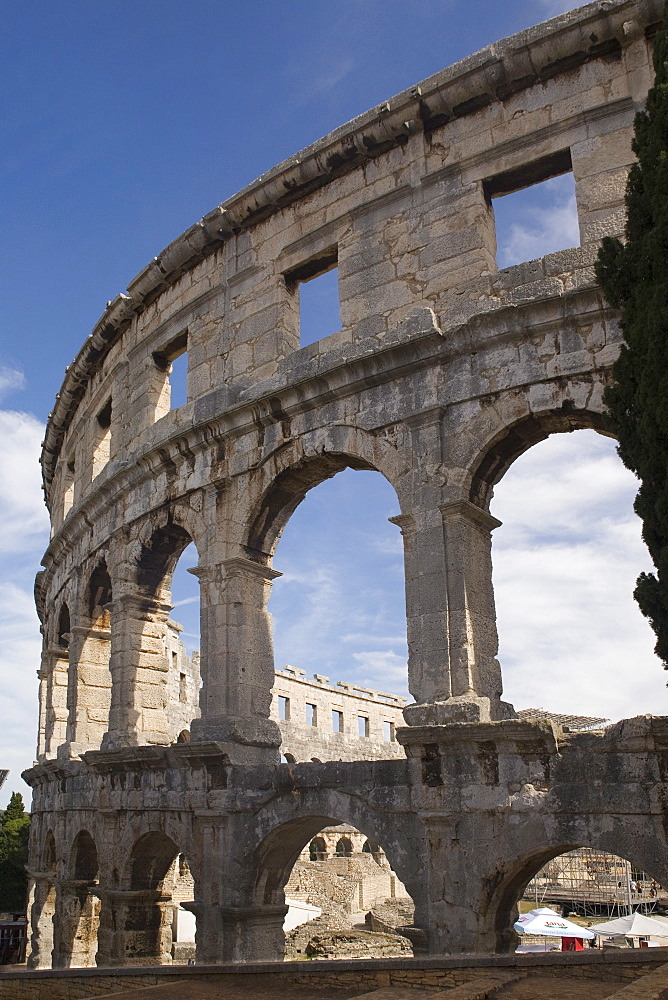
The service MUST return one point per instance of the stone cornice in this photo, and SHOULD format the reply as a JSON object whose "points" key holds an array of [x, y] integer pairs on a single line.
{"points": [[600, 29]]}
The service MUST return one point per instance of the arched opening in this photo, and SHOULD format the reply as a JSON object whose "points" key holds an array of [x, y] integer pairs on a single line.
{"points": [[344, 847], [42, 907], [317, 849], [89, 687], [341, 901], [164, 579], [158, 928], [338, 610], [56, 709], [565, 563], [79, 908], [557, 891]]}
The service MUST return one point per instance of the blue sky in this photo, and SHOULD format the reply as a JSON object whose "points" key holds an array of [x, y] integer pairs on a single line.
{"points": [[122, 124]]}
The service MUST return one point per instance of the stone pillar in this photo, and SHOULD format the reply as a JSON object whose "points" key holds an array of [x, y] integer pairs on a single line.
{"points": [[43, 677], [54, 711], [454, 675], [88, 689], [41, 910], [139, 673], [75, 929], [238, 933], [135, 928], [237, 661]]}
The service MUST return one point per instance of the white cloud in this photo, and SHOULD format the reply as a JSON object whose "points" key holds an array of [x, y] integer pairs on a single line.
{"points": [[537, 221], [384, 669], [24, 537], [20, 658], [10, 379], [22, 512], [565, 562]]}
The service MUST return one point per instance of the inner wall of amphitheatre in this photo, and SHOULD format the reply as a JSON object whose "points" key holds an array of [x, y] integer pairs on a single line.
{"points": [[445, 369]]}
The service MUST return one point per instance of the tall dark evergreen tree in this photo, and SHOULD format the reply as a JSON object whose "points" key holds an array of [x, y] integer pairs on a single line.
{"points": [[634, 278], [14, 830]]}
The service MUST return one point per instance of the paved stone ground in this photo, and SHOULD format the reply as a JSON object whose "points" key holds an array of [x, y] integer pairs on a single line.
{"points": [[259, 988], [251, 988], [557, 988]]}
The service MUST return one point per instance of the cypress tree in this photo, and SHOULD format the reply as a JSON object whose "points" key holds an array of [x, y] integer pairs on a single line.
{"points": [[14, 831], [634, 279]]}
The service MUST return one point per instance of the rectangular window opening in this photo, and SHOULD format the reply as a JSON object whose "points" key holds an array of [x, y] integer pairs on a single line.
{"points": [[388, 732], [337, 721], [173, 361], [317, 284], [311, 714], [535, 210], [362, 725], [283, 707], [102, 438], [183, 686]]}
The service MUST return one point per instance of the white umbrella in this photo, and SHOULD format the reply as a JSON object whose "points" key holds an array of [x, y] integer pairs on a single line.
{"points": [[633, 925], [546, 921]]}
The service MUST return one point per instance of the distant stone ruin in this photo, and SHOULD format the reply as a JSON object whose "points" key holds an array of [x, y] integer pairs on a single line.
{"points": [[444, 371]]}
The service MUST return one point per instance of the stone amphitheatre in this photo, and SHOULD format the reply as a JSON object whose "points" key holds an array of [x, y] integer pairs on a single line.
{"points": [[444, 371]]}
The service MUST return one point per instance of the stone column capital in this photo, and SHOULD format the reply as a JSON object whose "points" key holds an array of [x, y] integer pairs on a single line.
{"points": [[132, 601], [241, 565], [87, 633], [467, 511], [425, 418], [406, 522]]}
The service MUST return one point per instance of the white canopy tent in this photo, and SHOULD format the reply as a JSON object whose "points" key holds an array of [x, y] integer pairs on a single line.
{"points": [[545, 921], [633, 925]]}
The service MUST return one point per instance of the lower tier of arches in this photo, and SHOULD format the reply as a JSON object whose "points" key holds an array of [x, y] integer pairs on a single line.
{"points": [[122, 839]]}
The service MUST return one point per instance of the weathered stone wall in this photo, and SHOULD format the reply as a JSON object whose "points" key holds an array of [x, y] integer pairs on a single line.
{"points": [[444, 371], [319, 740]]}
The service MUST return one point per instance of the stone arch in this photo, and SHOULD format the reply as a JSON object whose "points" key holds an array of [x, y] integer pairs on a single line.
{"points": [[174, 828], [54, 687], [510, 883], [99, 595], [84, 864], [159, 555], [63, 627], [150, 861], [291, 471], [318, 849], [42, 905], [76, 930], [144, 911], [344, 847], [505, 445], [49, 854], [289, 822]]}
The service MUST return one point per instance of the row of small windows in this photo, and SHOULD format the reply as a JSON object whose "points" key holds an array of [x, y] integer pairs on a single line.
{"points": [[172, 364], [311, 719]]}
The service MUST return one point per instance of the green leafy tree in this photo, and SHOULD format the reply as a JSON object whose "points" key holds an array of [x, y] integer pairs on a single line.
{"points": [[14, 831], [634, 277]]}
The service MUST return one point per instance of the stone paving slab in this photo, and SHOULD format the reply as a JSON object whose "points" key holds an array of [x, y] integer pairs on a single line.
{"points": [[653, 986], [559, 988], [249, 988], [476, 989]]}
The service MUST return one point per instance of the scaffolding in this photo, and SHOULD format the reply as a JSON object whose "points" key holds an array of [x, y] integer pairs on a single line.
{"points": [[592, 883]]}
